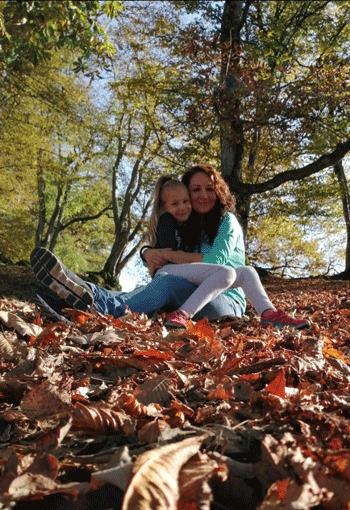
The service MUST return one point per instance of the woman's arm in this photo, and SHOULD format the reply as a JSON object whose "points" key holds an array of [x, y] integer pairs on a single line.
{"points": [[228, 246], [182, 257], [158, 257]]}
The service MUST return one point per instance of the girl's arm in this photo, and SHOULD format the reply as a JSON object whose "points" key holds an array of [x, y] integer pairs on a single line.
{"points": [[166, 232], [227, 249], [155, 258]]}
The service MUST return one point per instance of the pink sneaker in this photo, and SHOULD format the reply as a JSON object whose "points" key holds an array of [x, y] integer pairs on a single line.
{"points": [[177, 319], [280, 319]]}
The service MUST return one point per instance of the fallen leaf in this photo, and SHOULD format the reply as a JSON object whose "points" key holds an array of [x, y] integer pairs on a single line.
{"points": [[278, 385], [154, 482]]}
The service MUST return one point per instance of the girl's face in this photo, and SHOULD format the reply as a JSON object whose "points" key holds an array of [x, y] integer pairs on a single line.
{"points": [[202, 193], [176, 201]]}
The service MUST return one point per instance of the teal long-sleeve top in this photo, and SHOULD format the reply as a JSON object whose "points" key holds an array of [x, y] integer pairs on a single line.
{"points": [[227, 250]]}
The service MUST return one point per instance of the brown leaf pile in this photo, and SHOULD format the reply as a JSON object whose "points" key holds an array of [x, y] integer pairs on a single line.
{"points": [[107, 413]]}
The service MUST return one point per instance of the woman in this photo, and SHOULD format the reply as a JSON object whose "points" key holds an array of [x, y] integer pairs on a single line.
{"points": [[220, 241]]}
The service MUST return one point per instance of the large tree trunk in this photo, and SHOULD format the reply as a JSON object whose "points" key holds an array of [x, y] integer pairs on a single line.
{"points": [[231, 126], [345, 197], [230, 116]]}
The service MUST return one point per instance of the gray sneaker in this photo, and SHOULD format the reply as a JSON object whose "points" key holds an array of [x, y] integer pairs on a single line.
{"points": [[52, 273], [51, 307]]}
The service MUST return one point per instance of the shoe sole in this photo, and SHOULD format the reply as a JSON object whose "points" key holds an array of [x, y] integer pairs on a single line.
{"points": [[175, 326], [49, 271], [41, 303], [278, 325]]}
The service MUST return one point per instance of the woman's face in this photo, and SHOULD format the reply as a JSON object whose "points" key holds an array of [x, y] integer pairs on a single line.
{"points": [[202, 193]]}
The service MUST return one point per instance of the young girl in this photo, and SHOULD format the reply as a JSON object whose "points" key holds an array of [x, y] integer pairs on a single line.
{"points": [[173, 226], [169, 224]]}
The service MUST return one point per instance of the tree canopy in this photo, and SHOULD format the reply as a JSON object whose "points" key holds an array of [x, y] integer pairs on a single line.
{"points": [[258, 89], [31, 31]]}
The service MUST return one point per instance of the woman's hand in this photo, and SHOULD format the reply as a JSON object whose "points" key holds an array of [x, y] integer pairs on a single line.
{"points": [[156, 258]]}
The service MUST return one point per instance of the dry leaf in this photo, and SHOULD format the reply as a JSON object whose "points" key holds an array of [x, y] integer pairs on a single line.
{"points": [[54, 437], [23, 328], [46, 399], [6, 349], [150, 432], [155, 390], [278, 385], [101, 419], [154, 483], [194, 478]]}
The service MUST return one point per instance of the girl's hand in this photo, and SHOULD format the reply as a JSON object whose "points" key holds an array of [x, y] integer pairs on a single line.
{"points": [[156, 258]]}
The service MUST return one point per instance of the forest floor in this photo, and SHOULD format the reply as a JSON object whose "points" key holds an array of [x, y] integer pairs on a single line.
{"points": [[119, 414], [19, 282]]}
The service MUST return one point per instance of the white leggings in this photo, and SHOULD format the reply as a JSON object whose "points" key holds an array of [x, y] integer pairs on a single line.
{"points": [[212, 279]]}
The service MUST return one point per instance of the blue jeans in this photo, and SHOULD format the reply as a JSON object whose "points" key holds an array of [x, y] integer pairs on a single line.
{"points": [[164, 293]]}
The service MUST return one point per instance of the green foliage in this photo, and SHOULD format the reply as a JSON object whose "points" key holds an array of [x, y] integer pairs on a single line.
{"points": [[290, 227], [31, 31], [53, 173], [94, 151], [148, 119], [279, 244], [277, 98]]}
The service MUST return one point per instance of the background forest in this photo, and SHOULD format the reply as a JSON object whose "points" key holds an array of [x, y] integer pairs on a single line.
{"points": [[97, 99]]}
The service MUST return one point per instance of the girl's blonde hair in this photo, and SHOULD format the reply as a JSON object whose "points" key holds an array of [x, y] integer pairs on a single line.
{"points": [[164, 183]]}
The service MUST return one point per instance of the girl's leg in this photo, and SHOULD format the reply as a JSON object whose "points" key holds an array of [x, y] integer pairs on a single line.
{"points": [[249, 280], [214, 279], [220, 307]]}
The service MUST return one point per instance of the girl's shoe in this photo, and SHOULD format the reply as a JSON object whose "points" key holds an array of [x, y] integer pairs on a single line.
{"points": [[177, 319], [280, 319], [50, 271]]}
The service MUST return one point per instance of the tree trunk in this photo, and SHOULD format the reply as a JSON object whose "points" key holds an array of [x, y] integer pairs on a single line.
{"points": [[231, 126], [41, 201], [345, 197], [125, 232]]}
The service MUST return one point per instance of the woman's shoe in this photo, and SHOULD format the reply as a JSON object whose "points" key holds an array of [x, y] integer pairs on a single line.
{"points": [[52, 273], [177, 319], [51, 307]]}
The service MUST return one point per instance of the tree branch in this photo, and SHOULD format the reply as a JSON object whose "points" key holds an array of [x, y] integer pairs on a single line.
{"points": [[325, 161], [84, 219]]}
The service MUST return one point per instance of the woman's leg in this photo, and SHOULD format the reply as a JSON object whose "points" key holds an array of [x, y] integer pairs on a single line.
{"points": [[169, 292], [166, 291], [163, 292]]}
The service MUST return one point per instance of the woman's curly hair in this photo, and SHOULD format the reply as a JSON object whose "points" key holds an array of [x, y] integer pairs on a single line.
{"points": [[225, 202]]}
